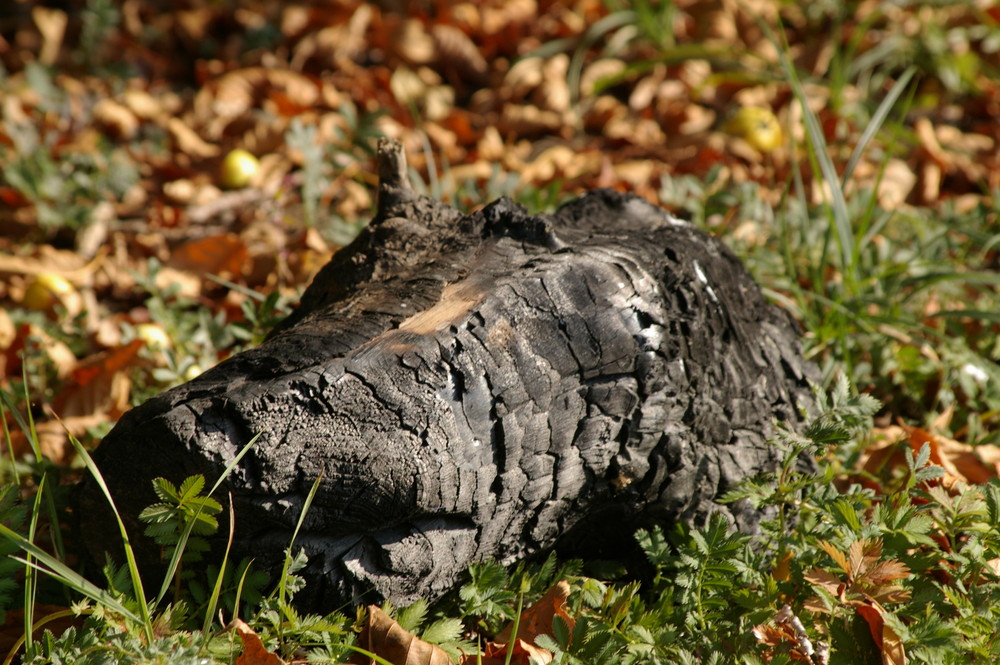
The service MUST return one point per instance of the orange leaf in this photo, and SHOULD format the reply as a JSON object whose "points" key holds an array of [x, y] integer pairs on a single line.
{"points": [[385, 638], [885, 571], [522, 653], [960, 460], [774, 635], [218, 255], [782, 635], [254, 652], [782, 569], [886, 639], [537, 619], [863, 553], [99, 383], [836, 555], [828, 581]]}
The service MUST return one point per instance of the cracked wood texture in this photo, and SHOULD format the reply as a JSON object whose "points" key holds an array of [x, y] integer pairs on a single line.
{"points": [[477, 387]]}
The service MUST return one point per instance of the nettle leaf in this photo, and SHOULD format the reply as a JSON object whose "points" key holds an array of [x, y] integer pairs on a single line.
{"points": [[159, 513], [848, 514], [443, 631], [166, 490], [162, 533], [410, 618], [191, 487], [593, 592], [991, 495], [204, 525], [654, 544]]}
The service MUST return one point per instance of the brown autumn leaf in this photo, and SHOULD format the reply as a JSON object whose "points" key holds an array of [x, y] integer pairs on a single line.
{"points": [[456, 53], [116, 118], [99, 384], [224, 255], [781, 635], [386, 639], [96, 390], [830, 582], [836, 555], [867, 580], [254, 652], [886, 639], [960, 461], [51, 23], [522, 653], [189, 142], [534, 621], [537, 619]]}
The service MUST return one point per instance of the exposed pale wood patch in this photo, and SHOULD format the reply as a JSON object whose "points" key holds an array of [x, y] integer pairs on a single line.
{"points": [[457, 300]]}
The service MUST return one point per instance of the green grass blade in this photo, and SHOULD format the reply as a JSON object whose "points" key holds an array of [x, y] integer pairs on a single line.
{"points": [[232, 465], [133, 568], [878, 119], [31, 433], [239, 588], [30, 578], [295, 534], [368, 654], [46, 563], [819, 150], [217, 588], [6, 435]]}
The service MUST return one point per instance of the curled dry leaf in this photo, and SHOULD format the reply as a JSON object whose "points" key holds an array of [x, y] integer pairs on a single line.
{"points": [[522, 653], [51, 23], [100, 384], [254, 652], [188, 141], [961, 462], [456, 52], [537, 619], [781, 635], [223, 255], [385, 638], [116, 118], [886, 639]]}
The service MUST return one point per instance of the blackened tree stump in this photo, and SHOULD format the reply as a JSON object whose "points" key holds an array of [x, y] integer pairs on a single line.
{"points": [[473, 387]]}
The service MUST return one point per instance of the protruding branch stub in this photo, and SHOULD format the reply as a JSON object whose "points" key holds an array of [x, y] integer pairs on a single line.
{"points": [[393, 182]]}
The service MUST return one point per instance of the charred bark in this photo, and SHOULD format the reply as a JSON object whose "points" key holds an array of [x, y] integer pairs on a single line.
{"points": [[472, 387]]}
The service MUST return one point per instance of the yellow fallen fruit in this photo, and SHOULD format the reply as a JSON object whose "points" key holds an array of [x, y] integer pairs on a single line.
{"points": [[238, 169], [757, 126], [154, 336], [45, 290]]}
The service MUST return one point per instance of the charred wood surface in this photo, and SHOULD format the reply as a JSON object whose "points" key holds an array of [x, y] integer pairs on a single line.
{"points": [[473, 387]]}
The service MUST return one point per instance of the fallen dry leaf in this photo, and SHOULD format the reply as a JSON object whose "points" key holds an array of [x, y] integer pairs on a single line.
{"points": [[223, 255], [522, 653], [961, 462], [886, 639], [99, 384], [385, 638], [254, 652], [537, 619]]}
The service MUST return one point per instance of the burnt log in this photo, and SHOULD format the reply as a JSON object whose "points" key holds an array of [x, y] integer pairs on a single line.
{"points": [[476, 387]]}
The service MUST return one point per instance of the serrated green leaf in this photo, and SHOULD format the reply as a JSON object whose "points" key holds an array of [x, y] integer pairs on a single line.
{"points": [[443, 631], [191, 487], [166, 490], [410, 618], [159, 513]]}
